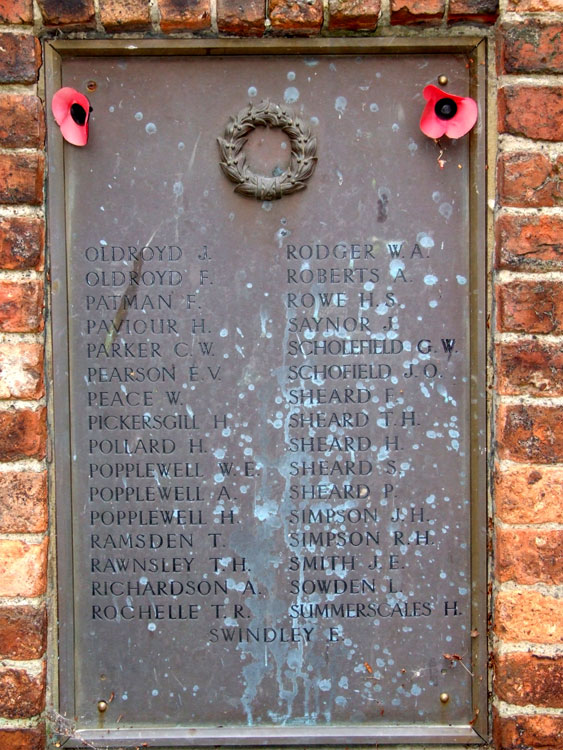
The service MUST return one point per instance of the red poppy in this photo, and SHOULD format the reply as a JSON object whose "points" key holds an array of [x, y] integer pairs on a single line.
{"points": [[447, 114], [71, 110]]}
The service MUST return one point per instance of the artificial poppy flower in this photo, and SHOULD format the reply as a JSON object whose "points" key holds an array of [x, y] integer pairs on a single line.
{"points": [[447, 114], [71, 110]]}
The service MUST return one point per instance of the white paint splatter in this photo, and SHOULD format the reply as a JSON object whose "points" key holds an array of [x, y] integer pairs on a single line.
{"points": [[446, 210], [340, 104], [425, 240], [290, 95], [395, 266]]}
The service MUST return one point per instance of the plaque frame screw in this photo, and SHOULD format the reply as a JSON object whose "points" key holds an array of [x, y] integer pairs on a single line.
{"points": [[444, 697], [91, 85], [443, 80], [102, 706]]}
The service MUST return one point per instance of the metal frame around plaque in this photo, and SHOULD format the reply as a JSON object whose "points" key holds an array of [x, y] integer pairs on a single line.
{"points": [[62, 677]]}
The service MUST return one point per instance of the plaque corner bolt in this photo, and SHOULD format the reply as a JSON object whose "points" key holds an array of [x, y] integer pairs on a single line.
{"points": [[444, 697], [443, 80], [102, 706]]}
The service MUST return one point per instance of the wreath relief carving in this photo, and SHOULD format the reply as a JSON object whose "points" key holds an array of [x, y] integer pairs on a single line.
{"points": [[233, 161]]}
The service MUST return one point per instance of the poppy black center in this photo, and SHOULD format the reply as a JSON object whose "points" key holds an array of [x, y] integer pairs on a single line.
{"points": [[445, 108], [78, 114]]}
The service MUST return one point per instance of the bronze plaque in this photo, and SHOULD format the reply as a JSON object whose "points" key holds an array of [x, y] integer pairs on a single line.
{"points": [[271, 454]]}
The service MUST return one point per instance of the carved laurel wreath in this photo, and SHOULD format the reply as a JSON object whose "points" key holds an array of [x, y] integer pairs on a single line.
{"points": [[233, 161]]}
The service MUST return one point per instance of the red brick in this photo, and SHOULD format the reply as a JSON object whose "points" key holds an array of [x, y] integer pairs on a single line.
{"points": [[20, 58], [23, 568], [16, 11], [526, 732], [417, 11], [23, 502], [531, 111], [23, 632], [529, 243], [241, 18], [534, 6], [21, 121], [22, 434], [22, 241], [523, 678], [125, 15], [529, 494], [21, 371], [531, 47], [23, 739], [21, 694], [354, 15], [530, 306], [68, 14], [475, 11], [184, 15], [528, 616], [21, 306], [21, 178], [296, 16], [530, 433], [530, 180], [529, 368], [529, 556]]}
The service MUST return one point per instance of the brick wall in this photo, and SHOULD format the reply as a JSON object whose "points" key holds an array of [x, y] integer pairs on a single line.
{"points": [[528, 566], [527, 572], [23, 479]]}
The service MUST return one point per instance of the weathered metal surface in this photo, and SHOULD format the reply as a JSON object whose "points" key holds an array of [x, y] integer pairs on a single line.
{"points": [[270, 402]]}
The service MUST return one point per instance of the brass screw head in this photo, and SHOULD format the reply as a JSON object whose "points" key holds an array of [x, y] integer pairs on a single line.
{"points": [[444, 697], [442, 80], [102, 706], [91, 85]]}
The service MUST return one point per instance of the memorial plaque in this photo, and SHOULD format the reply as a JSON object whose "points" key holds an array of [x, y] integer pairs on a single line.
{"points": [[268, 336]]}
